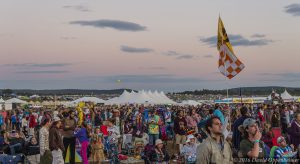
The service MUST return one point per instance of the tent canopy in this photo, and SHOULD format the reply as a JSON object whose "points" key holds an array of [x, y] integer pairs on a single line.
{"points": [[15, 100], [286, 96], [89, 99], [141, 97], [190, 102]]}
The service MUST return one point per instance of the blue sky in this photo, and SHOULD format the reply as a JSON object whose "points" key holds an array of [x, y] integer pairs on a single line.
{"points": [[167, 45]]}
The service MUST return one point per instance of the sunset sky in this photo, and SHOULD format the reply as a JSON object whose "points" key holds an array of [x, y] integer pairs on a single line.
{"points": [[166, 45]]}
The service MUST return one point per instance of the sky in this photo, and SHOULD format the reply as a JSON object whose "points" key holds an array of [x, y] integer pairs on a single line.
{"points": [[167, 45]]}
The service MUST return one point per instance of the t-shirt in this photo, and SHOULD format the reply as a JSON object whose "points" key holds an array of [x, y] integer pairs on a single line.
{"points": [[153, 128], [282, 154], [246, 146], [13, 119]]}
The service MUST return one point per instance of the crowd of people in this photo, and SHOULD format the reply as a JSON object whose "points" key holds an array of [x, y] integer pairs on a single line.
{"points": [[208, 133]]}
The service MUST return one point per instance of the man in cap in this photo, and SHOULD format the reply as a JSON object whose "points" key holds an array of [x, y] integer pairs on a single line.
{"points": [[251, 146], [55, 141]]}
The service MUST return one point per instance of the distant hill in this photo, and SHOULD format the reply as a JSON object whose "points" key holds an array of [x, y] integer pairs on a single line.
{"points": [[29, 92], [247, 91]]}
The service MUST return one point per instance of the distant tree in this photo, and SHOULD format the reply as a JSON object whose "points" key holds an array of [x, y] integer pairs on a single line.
{"points": [[7, 92]]}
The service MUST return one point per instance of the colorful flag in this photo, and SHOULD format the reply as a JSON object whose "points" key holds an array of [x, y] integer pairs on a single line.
{"points": [[229, 64]]}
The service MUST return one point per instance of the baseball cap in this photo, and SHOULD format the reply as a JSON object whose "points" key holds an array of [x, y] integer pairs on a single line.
{"points": [[189, 137], [249, 121], [280, 139]]}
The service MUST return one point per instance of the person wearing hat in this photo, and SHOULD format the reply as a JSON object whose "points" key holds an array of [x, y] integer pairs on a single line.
{"points": [[283, 151], [214, 149], [189, 149], [159, 154], [55, 142], [251, 146]]}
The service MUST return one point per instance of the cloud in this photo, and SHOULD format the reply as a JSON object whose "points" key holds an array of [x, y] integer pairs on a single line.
{"points": [[81, 8], [115, 24], [153, 68], [6, 35], [135, 50], [185, 57], [35, 65], [258, 36], [172, 53], [283, 75], [208, 56], [293, 9], [178, 55], [154, 78], [68, 38], [43, 72], [237, 40]]}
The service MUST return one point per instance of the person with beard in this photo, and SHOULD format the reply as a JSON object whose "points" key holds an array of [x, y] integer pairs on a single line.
{"points": [[251, 147], [214, 149], [69, 139]]}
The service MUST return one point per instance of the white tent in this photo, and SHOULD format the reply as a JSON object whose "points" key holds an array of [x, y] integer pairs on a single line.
{"points": [[16, 101], [270, 96], [141, 97], [89, 99], [190, 102], [287, 97], [34, 96], [1, 103]]}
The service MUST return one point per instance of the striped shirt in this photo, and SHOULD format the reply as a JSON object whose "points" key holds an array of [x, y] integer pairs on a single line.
{"points": [[282, 154]]}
